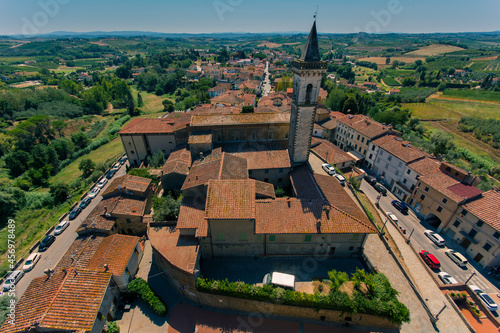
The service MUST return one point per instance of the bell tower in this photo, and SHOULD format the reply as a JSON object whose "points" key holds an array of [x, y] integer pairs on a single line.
{"points": [[308, 71]]}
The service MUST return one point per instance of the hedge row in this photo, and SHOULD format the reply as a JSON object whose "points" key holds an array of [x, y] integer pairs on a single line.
{"points": [[116, 126], [389, 308], [140, 287]]}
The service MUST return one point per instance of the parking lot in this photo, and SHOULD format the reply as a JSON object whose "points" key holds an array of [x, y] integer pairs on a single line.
{"points": [[253, 270]]}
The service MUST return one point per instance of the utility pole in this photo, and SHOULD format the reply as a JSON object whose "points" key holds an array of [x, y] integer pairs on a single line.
{"points": [[470, 277], [411, 233], [444, 307], [382, 231]]}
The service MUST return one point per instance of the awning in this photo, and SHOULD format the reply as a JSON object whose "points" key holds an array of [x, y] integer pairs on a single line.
{"points": [[354, 154]]}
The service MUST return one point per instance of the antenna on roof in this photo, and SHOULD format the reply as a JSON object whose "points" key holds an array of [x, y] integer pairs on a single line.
{"points": [[316, 13]]}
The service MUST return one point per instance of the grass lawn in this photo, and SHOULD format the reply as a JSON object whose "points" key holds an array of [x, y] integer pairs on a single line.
{"points": [[452, 109], [152, 103], [111, 150], [389, 81], [479, 95]]}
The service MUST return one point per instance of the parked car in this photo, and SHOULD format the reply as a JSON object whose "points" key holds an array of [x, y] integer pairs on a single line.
{"points": [[457, 257], [75, 212], [117, 166], [61, 227], [110, 174], [485, 298], [401, 206], [382, 190], [46, 242], [393, 217], [102, 182], [95, 191], [447, 278], [341, 179], [85, 202], [31, 261], [435, 237], [123, 159], [12, 280], [328, 168], [430, 259], [370, 179]]}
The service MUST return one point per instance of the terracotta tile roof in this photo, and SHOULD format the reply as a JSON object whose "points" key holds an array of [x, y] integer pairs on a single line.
{"points": [[129, 206], [179, 161], [264, 190], [486, 208], [197, 137], [424, 166], [221, 86], [399, 148], [266, 159], [149, 126], [223, 166], [191, 213], [181, 252], [228, 98], [364, 125], [115, 252], [239, 119], [80, 252], [296, 216], [231, 199], [337, 196], [329, 152], [449, 186], [97, 220], [304, 185], [65, 301], [129, 182], [329, 124]]}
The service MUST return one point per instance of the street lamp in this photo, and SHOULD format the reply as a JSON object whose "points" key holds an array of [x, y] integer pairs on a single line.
{"points": [[470, 277], [382, 231]]}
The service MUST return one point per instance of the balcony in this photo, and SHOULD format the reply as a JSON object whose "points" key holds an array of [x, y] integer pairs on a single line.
{"points": [[466, 235]]}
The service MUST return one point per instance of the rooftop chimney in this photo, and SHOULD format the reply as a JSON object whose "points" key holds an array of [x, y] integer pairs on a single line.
{"points": [[48, 272], [106, 267]]}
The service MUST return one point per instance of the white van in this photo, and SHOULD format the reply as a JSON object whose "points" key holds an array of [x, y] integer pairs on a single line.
{"points": [[435, 237], [280, 279], [457, 257]]}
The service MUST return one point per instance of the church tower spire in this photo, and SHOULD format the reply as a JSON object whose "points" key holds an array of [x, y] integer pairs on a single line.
{"points": [[308, 71]]}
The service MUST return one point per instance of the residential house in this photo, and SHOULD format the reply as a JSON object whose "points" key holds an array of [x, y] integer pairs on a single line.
{"points": [[330, 153], [219, 89], [175, 170]]}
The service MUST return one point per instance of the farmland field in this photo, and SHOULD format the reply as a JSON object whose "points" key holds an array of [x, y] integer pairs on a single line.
{"points": [[391, 82], [381, 60], [434, 49], [479, 95], [453, 109]]}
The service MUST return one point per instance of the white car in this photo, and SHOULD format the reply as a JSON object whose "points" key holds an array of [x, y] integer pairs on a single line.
{"points": [[116, 167], [393, 217], [447, 278], [341, 179], [102, 182], [328, 168], [457, 257], [12, 280], [435, 237], [95, 191], [61, 227], [485, 298], [31, 261]]}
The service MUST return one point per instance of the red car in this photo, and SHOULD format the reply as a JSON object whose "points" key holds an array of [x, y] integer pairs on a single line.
{"points": [[430, 260]]}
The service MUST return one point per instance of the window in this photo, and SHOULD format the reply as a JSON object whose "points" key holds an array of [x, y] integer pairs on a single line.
{"points": [[128, 221], [496, 235], [259, 237], [479, 223], [308, 93], [99, 315], [358, 137], [356, 146], [280, 180], [266, 171], [439, 209], [397, 173], [445, 200], [132, 152], [220, 236], [408, 172], [456, 223], [364, 153], [487, 246], [272, 238], [422, 197], [383, 174], [355, 236], [464, 212], [370, 157], [280, 170], [389, 158], [250, 172], [400, 164], [362, 140], [378, 160], [373, 147], [243, 236], [307, 238], [472, 233], [387, 165], [404, 180], [426, 189]]}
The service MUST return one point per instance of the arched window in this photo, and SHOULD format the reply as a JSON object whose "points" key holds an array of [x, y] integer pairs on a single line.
{"points": [[308, 93]]}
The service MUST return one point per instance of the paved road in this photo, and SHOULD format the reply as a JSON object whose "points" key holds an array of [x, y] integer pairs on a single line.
{"points": [[54, 253], [266, 86], [421, 242]]}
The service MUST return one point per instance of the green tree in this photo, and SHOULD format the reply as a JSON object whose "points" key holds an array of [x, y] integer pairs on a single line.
{"points": [[247, 109], [157, 160], [441, 143], [59, 126], [168, 106], [59, 192], [86, 166], [63, 147], [140, 103], [17, 162], [387, 60], [80, 139], [166, 208]]}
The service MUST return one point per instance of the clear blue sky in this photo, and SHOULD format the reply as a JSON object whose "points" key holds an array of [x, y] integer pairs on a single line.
{"points": [[195, 16]]}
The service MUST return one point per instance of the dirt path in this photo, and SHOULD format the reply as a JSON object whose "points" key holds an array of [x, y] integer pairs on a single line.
{"points": [[439, 95], [452, 128]]}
